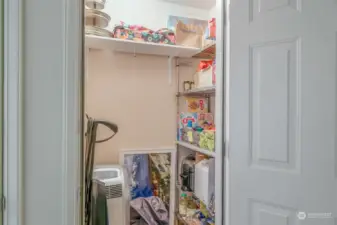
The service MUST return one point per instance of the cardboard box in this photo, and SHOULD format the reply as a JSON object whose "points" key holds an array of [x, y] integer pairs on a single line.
{"points": [[207, 42], [204, 78], [199, 105], [189, 32], [183, 121], [188, 35]]}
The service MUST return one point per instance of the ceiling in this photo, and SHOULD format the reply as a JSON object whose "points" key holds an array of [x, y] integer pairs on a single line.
{"points": [[202, 4]]}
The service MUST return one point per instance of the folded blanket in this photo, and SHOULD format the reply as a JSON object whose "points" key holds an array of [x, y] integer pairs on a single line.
{"points": [[141, 33]]}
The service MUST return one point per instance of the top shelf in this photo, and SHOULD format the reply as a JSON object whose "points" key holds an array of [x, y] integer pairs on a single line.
{"points": [[147, 48]]}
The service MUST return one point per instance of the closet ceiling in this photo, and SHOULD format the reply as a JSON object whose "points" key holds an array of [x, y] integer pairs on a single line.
{"points": [[202, 4]]}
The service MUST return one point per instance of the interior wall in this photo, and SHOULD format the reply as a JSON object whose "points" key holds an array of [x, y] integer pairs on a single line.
{"points": [[212, 12], [150, 13], [134, 93]]}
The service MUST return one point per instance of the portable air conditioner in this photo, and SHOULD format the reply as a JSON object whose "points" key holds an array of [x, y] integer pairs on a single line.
{"points": [[111, 196]]}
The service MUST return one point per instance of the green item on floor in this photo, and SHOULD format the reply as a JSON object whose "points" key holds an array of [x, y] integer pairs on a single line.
{"points": [[100, 208]]}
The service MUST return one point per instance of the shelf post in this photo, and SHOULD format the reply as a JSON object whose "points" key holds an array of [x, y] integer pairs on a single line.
{"points": [[170, 70]]}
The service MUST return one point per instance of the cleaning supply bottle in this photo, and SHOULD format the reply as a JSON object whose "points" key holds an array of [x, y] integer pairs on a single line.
{"points": [[183, 204]]}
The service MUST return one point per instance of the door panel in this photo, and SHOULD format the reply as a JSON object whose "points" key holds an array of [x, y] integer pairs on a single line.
{"points": [[282, 112], [273, 119]]}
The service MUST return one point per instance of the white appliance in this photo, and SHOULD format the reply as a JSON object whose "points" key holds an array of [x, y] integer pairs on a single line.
{"points": [[204, 181], [113, 179]]}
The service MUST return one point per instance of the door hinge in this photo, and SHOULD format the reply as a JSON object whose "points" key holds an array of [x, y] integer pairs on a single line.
{"points": [[3, 203]]}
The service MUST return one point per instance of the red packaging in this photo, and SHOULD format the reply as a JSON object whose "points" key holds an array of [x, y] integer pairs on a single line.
{"points": [[212, 28], [213, 72], [204, 64]]}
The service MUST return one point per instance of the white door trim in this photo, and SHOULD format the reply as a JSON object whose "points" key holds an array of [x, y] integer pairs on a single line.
{"points": [[220, 112], [226, 69], [73, 78], [13, 113], [14, 176]]}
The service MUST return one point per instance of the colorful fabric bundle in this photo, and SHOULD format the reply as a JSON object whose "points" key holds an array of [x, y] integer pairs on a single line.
{"points": [[141, 33]]}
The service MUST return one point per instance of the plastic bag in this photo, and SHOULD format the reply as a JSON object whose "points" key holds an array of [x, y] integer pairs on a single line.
{"points": [[138, 168]]}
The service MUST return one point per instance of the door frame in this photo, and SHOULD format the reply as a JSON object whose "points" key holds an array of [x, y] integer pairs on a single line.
{"points": [[2, 54], [12, 112], [14, 175], [221, 115], [226, 116], [72, 119]]}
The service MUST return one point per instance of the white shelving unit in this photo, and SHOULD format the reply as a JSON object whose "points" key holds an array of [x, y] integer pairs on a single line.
{"points": [[196, 148], [208, 52], [199, 91], [133, 47], [145, 48], [182, 147]]}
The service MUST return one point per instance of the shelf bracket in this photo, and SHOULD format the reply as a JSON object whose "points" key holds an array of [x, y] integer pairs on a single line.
{"points": [[170, 70]]}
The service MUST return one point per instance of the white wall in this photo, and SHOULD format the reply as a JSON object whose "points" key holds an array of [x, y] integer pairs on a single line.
{"points": [[134, 93], [150, 13], [212, 12]]}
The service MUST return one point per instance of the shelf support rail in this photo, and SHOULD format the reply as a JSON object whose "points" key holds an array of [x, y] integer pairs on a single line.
{"points": [[170, 71]]}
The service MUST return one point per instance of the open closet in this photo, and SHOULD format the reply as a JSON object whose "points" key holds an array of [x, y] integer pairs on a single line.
{"points": [[150, 88]]}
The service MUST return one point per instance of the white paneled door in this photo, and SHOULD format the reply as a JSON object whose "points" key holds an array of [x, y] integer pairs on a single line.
{"points": [[282, 112]]}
